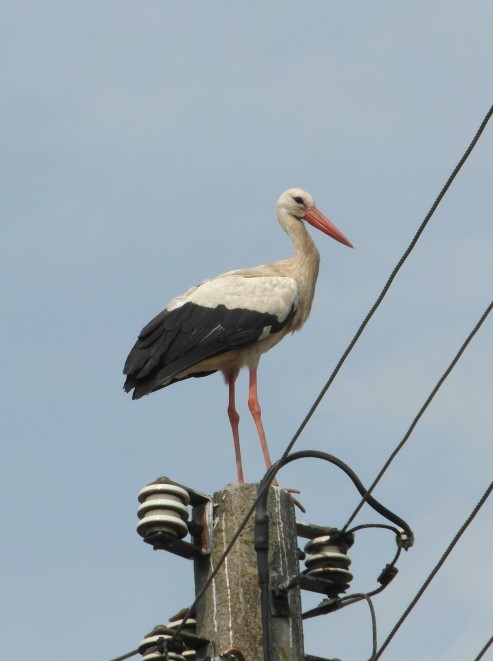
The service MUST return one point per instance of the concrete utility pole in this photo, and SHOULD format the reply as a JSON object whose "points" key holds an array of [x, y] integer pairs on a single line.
{"points": [[229, 614]]}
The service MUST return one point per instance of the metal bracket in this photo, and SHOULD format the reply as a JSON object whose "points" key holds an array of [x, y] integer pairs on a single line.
{"points": [[164, 541], [279, 591], [279, 596]]}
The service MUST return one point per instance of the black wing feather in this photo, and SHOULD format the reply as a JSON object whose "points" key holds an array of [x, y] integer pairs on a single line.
{"points": [[176, 340]]}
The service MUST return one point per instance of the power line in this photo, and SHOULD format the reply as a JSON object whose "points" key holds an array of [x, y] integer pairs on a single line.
{"points": [[484, 650], [336, 370], [126, 656], [421, 412], [353, 598], [434, 572], [373, 623]]}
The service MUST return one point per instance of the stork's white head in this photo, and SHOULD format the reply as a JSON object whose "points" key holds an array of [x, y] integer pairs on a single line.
{"points": [[296, 201], [300, 204]]}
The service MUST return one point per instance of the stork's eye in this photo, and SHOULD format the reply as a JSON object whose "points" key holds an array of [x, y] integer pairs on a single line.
{"points": [[298, 199]]}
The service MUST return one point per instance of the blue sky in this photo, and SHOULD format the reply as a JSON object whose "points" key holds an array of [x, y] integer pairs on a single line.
{"points": [[143, 148]]}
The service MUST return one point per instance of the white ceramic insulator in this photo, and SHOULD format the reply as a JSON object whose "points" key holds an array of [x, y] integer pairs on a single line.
{"points": [[151, 641], [163, 509], [327, 557], [190, 624], [327, 560], [169, 489]]}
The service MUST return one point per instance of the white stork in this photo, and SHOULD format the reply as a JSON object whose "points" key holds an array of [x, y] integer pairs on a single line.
{"points": [[228, 322]]}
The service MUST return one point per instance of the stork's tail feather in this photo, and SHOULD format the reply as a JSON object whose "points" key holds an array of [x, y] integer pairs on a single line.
{"points": [[131, 384], [140, 388]]}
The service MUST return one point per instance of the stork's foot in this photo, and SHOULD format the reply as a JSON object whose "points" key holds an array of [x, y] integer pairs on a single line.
{"points": [[275, 483], [295, 500]]}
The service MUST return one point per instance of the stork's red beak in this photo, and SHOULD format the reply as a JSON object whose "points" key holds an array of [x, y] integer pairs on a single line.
{"points": [[322, 223]]}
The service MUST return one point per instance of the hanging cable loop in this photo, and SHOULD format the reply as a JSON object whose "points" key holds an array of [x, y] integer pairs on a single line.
{"points": [[325, 551], [407, 536]]}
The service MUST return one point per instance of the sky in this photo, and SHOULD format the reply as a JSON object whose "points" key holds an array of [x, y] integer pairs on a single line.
{"points": [[144, 145]]}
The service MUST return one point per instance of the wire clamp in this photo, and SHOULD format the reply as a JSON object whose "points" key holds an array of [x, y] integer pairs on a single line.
{"points": [[404, 540]]}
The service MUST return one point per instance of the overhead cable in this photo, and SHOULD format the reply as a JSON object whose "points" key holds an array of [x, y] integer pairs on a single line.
{"points": [[434, 572], [484, 650], [360, 596], [420, 412], [126, 656]]}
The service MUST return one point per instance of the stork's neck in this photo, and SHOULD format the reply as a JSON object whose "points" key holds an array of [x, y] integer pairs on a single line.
{"points": [[306, 254], [305, 262]]}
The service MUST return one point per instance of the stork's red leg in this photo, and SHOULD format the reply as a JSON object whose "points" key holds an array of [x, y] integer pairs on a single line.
{"points": [[234, 419], [254, 406]]}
